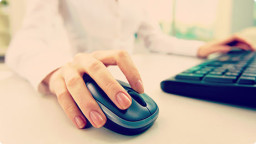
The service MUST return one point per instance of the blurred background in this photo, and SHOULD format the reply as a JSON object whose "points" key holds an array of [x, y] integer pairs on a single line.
{"points": [[189, 19]]}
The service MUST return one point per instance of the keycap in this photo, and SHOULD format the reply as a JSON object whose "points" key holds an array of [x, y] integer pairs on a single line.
{"points": [[246, 80], [250, 72], [224, 58], [137, 97], [231, 74], [201, 72], [214, 63], [216, 73], [220, 79], [187, 76], [249, 75]]}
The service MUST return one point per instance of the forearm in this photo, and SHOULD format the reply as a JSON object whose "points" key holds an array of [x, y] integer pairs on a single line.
{"points": [[167, 44]]}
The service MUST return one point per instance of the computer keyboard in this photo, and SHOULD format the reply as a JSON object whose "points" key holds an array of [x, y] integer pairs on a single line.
{"points": [[229, 78]]}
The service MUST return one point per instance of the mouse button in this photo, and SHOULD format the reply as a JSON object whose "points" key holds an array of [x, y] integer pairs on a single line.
{"points": [[151, 105], [136, 112], [100, 96], [136, 96], [96, 92]]}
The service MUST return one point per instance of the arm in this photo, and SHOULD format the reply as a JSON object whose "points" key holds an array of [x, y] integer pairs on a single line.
{"points": [[249, 35], [157, 41], [36, 50], [35, 55]]}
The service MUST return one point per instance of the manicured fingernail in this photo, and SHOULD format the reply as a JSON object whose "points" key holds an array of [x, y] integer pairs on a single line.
{"points": [[139, 86], [79, 122], [123, 100], [97, 119]]}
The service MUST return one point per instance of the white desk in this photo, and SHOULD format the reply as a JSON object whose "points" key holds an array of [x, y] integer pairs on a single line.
{"points": [[27, 117]]}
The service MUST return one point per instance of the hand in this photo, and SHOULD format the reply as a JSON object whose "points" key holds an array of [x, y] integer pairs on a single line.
{"points": [[224, 46], [74, 97]]}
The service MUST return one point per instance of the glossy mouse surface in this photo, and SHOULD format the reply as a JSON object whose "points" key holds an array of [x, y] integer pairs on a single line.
{"points": [[136, 119]]}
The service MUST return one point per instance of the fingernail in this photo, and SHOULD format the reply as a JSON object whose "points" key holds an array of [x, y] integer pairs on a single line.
{"points": [[79, 122], [97, 119], [123, 100], [139, 86]]}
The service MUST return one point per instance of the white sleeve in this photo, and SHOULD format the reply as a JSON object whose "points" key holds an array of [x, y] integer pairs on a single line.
{"points": [[249, 34], [157, 41], [36, 50]]}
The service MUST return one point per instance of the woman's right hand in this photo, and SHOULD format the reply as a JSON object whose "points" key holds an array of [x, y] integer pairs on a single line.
{"points": [[75, 99]]}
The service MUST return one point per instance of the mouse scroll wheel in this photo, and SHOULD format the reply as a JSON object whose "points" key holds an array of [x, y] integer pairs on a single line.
{"points": [[136, 96]]}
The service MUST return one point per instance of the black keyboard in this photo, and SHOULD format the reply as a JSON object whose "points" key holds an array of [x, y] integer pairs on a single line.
{"points": [[229, 78]]}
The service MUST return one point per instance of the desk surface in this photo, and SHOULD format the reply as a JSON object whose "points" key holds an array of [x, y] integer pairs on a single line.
{"points": [[28, 117]]}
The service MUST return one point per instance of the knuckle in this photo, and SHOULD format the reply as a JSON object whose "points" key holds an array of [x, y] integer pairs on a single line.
{"points": [[73, 81], [69, 108], [62, 95], [90, 105], [95, 53], [122, 53], [111, 87], [65, 67], [79, 56], [94, 65]]}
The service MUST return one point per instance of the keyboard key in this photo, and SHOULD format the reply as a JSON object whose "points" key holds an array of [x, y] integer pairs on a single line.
{"points": [[224, 58], [234, 71], [215, 64], [250, 72], [208, 68], [249, 75], [231, 74], [186, 76], [220, 70], [216, 73], [246, 80], [201, 72], [220, 79]]}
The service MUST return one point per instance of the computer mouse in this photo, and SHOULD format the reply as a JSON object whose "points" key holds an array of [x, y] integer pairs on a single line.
{"points": [[136, 119]]}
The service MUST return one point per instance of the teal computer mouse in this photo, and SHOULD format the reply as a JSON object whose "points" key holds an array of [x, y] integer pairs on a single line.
{"points": [[136, 119]]}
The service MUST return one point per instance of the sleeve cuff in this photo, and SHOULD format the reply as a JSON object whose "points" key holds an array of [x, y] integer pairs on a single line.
{"points": [[43, 65]]}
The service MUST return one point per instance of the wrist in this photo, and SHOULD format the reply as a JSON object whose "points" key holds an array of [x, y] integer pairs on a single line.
{"points": [[200, 52], [48, 80]]}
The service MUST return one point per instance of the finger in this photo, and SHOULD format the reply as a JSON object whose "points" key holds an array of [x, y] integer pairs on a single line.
{"points": [[68, 105], [218, 49], [243, 46], [235, 40], [223, 50], [98, 71], [241, 40], [83, 97], [125, 63]]}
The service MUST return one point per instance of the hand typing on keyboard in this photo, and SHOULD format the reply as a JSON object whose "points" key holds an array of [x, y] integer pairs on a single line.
{"points": [[224, 46], [229, 78]]}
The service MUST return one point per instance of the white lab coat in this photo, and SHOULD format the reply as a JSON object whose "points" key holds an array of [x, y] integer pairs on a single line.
{"points": [[39, 48]]}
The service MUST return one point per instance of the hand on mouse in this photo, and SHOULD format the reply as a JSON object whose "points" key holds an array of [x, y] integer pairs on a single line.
{"points": [[224, 46], [75, 99]]}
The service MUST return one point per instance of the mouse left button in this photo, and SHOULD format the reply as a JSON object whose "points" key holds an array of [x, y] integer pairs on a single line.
{"points": [[136, 96]]}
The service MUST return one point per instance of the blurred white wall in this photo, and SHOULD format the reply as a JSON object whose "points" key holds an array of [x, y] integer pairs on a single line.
{"points": [[242, 14], [230, 15], [17, 11]]}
